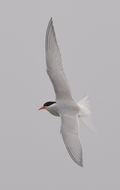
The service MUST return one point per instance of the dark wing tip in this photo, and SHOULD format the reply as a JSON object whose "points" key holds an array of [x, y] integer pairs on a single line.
{"points": [[49, 28], [50, 35], [80, 164], [51, 19], [50, 23]]}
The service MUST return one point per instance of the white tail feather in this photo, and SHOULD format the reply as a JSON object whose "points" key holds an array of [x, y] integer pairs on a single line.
{"points": [[85, 113]]}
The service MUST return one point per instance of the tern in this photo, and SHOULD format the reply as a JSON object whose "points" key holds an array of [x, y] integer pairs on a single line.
{"points": [[64, 106]]}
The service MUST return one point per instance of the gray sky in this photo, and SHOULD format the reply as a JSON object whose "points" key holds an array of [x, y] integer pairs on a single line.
{"points": [[32, 153]]}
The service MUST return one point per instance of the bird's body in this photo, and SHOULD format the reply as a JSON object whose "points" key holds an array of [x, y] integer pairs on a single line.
{"points": [[64, 106], [53, 109]]}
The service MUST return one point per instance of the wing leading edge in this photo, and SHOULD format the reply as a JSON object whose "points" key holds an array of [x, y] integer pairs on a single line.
{"points": [[54, 65]]}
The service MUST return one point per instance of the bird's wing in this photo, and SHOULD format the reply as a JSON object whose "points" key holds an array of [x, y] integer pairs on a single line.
{"points": [[69, 130], [54, 65]]}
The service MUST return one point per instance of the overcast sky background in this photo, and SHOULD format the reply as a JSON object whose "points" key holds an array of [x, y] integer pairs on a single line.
{"points": [[32, 153]]}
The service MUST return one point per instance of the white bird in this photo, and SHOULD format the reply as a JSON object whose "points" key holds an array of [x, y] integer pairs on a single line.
{"points": [[64, 106]]}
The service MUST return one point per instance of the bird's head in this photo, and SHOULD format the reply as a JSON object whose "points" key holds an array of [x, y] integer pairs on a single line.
{"points": [[46, 105]]}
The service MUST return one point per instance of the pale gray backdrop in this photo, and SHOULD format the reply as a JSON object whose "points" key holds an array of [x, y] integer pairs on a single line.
{"points": [[32, 153]]}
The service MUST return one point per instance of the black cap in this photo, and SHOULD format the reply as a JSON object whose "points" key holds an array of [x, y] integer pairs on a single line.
{"points": [[48, 104]]}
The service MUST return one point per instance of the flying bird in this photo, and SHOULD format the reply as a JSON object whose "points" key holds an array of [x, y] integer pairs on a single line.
{"points": [[64, 106]]}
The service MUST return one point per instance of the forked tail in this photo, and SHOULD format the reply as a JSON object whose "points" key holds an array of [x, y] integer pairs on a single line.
{"points": [[85, 113]]}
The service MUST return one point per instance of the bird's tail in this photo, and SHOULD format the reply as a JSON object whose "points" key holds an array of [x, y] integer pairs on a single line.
{"points": [[85, 113]]}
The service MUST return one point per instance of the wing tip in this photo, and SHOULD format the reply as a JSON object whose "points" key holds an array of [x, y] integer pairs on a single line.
{"points": [[50, 28], [80, 164], [51, 19], [50, 23]]}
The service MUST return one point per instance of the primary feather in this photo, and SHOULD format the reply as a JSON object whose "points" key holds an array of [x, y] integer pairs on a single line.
{"points": [[54, 64]]}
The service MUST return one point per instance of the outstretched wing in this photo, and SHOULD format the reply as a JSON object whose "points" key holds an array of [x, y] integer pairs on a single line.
{"points": [[67, 105], [69, 130], [54, 65]]}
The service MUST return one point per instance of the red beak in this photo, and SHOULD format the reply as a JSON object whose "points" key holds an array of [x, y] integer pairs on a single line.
{"points": [[42, 108]]}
